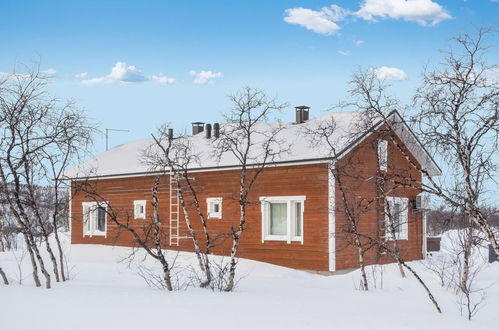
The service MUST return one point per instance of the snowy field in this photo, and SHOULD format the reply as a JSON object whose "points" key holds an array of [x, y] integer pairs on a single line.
{"points": [[106, 294]]}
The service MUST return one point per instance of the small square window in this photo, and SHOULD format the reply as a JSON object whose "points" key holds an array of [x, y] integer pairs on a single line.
{"points": [[214, 206], [139, 209]]}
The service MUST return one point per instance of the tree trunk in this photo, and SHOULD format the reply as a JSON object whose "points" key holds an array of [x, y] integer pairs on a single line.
{"points": [[157, 238], [32, 259], [192, 233], [51, 255], [466, 260], [207, 250], [235, 244], [362, 264], [5, 280], [233, 262], [32, 245], [61, 254]]}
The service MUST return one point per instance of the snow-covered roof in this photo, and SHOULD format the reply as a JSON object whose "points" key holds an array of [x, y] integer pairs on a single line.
{"points": [[128, 158]]}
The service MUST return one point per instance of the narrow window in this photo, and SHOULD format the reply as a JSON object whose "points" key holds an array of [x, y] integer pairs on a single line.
{"points": [[396, 214], [214, 208], [297, 219], [282, 218], [139, 209], [383, 155], [101, 219], [278, 219]]}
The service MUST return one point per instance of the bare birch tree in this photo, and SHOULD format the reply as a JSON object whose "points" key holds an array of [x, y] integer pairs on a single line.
{"points": [[368, 96], [175, 156], [33, 123], [248, 138], [458, 119]]}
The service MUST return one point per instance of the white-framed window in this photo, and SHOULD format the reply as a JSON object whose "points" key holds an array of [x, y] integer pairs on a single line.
{"points": [[94, 219], [214, 208], [383, 155], [282, 218], [397, 212], [139, 209]]}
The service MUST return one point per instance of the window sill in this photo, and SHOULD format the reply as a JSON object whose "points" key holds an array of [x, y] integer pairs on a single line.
{"points": [[398, 239], [95, 234], [282, 239]]}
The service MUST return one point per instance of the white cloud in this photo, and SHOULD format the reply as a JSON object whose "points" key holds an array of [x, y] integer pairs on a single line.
{"points": [[345, 52], [82, 75], [492, 75], [424, 12], [162, 79], [123, 73], [205, 77], [49, 72], [120, 73], [358, 43], [322, 22], [388, 73]]}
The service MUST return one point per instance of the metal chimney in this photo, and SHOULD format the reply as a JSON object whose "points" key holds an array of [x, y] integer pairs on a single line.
{"points": [[170, 134], [302, 114], [208, 131], [216, 130], [197, 127]]}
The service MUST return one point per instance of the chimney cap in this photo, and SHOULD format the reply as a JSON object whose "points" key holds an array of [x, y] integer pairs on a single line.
{"points": [[302, 107], [197, 123]]}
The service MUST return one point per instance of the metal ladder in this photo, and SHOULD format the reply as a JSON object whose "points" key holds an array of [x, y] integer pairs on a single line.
{"points": [[174, 211]]}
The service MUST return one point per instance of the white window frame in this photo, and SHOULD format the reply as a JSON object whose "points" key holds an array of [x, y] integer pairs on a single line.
{"points": [[92, 223], [383, 155], [136, 209], [210, 206], [404, 220], [289, 200]]}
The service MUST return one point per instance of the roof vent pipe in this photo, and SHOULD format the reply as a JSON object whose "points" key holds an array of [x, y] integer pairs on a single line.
{"points": [[170, 134], [302, 112], [197, 127], [216, 130], [208, 131]]}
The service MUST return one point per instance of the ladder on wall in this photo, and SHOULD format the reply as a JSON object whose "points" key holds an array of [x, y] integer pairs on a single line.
{"points": [[174, 210]]}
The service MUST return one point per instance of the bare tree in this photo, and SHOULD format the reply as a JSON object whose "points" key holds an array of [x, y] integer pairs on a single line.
{"points": [[33, 124], [175, 156], [253, 143], [468, 263], [368, 95], [458, 118]]}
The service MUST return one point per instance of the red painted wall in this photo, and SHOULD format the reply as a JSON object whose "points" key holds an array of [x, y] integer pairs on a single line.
{"points": [[309, 180]]}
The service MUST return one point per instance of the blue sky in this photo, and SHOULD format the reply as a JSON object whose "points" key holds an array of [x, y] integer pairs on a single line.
{"points": [[183, 57]]}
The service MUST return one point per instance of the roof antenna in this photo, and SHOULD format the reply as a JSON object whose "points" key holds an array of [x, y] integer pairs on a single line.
{"points": [[114, 130]]}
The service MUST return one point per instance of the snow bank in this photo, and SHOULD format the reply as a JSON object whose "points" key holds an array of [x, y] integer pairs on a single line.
{"points": [[107, 294]]}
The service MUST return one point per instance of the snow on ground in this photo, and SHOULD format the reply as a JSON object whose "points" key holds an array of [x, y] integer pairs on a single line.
{"points": [[105, 293]]}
